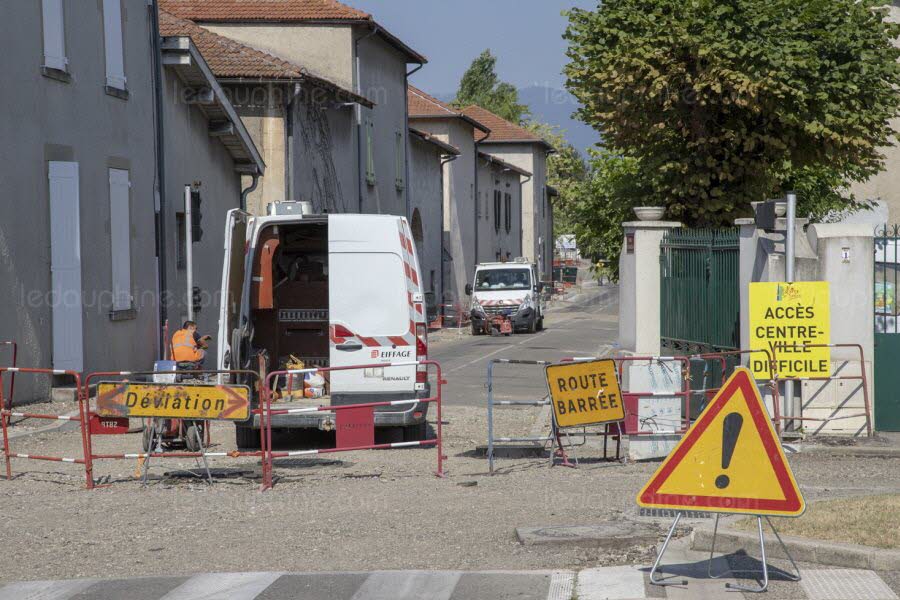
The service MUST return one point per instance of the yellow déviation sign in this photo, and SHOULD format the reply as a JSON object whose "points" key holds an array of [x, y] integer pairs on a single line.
{"points": [[585, 393], [784, 319], [173, 400]]}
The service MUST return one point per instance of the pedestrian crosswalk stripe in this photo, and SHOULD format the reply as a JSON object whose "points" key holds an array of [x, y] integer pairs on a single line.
{"points": [[610, 583], [408, 585], [223, 586], [845, 584], [45, 590], [562, 584]]}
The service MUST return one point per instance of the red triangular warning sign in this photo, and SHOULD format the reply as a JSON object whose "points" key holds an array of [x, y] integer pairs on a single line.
{"points": [[730, 460]]}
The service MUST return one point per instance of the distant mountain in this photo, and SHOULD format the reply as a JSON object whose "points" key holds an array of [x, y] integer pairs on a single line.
{"points": [[555, 107]]}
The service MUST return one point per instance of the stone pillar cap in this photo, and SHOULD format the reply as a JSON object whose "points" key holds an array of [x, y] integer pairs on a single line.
{"points": [[652, 224]]}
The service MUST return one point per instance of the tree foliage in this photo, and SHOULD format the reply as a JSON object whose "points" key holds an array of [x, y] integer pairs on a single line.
{"points": [[566, 171], [605, 200], [718, 103], [480, 85]]}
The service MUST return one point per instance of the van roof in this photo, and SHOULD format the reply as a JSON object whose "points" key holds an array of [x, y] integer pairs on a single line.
{"points": [[503, 265]]}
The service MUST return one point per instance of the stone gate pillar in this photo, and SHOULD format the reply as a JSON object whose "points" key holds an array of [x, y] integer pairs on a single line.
{"points": [[639, 289]]}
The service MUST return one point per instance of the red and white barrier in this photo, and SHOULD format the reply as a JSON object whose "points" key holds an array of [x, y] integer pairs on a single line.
{"points": [[363, 410]]}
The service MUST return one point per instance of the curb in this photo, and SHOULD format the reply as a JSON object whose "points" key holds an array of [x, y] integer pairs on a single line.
{"points": [[836, 554], [866, 451]]}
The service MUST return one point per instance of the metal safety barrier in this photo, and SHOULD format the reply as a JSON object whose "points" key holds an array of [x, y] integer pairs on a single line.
{"points": [[6, 414], [556, 433], [867, 411], [631, 396], [726, 367], [12, 378], [492, 402], [202, 454], [268, 412]]}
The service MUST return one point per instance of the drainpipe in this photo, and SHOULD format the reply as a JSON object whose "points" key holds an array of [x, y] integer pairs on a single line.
{"points": [[290, 184], [160, 200], [406, 146], [450, 158], [247, 191], [360, 146], [477, 199], [521, 218]]}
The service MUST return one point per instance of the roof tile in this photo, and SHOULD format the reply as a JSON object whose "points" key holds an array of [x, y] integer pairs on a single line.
{"points": [[263, 10], [229, 58], [423, 105], [501, 129]]}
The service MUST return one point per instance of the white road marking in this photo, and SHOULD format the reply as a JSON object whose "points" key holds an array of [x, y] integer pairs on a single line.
{"points": [[845, 584], [408, 585], [223, 586], [610, 583], [45, 590], [562, 584]]}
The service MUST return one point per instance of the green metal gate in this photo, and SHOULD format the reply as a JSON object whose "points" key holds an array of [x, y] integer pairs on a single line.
{"points": [[887, 328], [700, 290]]}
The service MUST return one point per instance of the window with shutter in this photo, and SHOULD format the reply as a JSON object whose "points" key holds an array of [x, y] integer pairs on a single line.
{"points": [[112, 35], [65, 266], [508, 202], [54, 35], [497, 208], [120, 238]]}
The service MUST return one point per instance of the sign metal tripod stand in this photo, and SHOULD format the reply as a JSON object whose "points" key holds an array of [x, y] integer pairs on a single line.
{"points": [[733, 586]]}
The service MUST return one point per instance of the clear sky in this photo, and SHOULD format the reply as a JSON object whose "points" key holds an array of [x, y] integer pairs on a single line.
{"points": [[524, 35]]}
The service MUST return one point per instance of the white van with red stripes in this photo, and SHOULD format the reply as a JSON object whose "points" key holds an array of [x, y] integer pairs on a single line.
{"points": [[328, 290]]}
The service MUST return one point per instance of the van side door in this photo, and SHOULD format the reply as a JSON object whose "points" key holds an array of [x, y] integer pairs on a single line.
{"points": [[369, 305], [234, 274]]}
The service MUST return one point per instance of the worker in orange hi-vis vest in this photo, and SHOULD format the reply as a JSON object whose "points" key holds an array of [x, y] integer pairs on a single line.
{"points": [[188, 345]]}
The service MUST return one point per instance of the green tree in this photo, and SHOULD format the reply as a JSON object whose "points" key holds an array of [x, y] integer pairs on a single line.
{"points": [[605, 200], [480, 85], [566, 171], [723, 102]]}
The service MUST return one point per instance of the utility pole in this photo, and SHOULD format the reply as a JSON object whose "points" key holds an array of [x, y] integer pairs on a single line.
{"points": [[789, 276]]}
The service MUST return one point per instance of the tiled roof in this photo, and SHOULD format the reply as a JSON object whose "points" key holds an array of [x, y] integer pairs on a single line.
{"points": [[282, 11], [502, 131], [447, 148], [230, 59], [504, 165], [425, 106], [263, 10]]}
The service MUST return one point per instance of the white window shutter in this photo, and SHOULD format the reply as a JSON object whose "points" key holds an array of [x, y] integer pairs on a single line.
{"points": [[54, 34], [120, 238], [115, 54], [65, 267]]}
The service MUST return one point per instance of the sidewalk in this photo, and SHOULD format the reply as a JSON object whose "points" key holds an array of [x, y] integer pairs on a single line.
{"points": [[613, 583]]}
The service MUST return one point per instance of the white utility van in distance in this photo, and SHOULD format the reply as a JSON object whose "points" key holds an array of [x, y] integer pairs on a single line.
{"points": [[328, 290], [506, 289]]}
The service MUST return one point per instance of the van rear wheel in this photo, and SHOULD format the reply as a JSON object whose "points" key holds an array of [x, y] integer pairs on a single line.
{"points": [[415, 433], [246, 438]]}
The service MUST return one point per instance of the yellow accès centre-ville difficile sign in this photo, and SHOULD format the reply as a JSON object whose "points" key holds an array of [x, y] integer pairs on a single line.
{"points": [[785, 318]]}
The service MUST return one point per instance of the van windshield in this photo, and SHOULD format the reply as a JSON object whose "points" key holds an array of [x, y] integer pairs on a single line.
{"points": [[503, 279]]}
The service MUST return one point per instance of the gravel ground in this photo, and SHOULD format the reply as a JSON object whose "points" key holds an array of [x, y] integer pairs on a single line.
{"points": [[341, 512]]}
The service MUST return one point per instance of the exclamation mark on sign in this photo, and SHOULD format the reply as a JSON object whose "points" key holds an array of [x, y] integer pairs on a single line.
{"points": [[731, 428]]}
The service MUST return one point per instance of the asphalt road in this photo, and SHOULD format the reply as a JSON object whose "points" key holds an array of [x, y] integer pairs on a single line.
{"points": [[587, 326]]}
